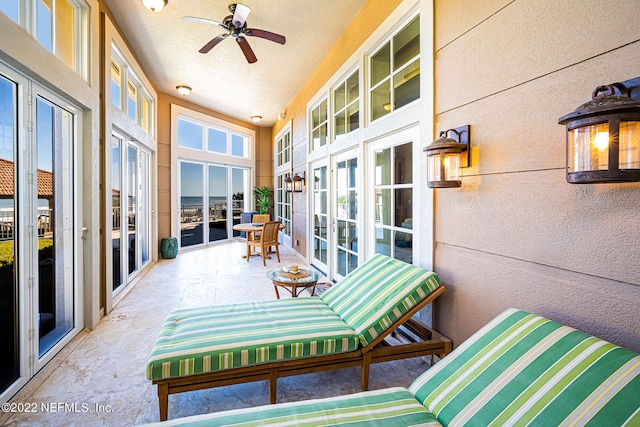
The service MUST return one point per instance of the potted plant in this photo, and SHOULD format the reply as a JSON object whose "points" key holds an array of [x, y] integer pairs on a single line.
{"points": [[263, 196]]}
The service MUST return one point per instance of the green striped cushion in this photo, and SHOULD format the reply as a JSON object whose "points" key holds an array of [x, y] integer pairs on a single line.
{"points": [[214, 338], [377, 293], [522, 368], [384, 408]]}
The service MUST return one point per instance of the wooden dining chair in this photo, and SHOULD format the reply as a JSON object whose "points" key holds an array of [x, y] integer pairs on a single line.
{"points": [[268, 239], [260, 218]]}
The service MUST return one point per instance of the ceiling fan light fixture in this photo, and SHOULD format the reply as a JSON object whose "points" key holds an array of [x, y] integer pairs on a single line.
{"points": [[256, 119], [183, 90], [155, 5]]}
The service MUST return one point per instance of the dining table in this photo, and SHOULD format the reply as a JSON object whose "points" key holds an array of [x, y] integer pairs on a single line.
{"points": [[251, 228]]}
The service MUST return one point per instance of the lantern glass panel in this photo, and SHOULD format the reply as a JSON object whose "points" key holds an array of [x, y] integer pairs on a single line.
{"points": [[629, 145], [433, 167], [589, 148], [452, 166]]}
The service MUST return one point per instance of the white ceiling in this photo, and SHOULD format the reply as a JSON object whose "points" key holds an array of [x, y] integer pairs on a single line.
{"points": [[222, 80]]}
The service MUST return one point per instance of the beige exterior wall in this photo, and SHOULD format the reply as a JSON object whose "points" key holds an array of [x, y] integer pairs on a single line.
{"points": [[516, 234], [264, 154]]}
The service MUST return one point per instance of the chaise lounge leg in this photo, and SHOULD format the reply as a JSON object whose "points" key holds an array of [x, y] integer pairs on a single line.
{"points": [[163, 401], [273, 384], [364, 372]]}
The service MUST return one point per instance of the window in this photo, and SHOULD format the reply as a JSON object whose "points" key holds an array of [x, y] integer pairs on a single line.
{"points": [[60, 26], [146, 113], [116, 84], [10, 8], [189, 134], [239, 145], [319, 125], [283, 149], [346, 106], [137, 102], [215, 140], [395, 71], [132, 101]]}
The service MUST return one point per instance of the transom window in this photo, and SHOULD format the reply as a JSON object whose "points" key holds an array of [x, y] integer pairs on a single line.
{"points": [[203, 136], [283, 149], [319, 125], [395, 71], [60, 26], [136, 102], [346, 105]]}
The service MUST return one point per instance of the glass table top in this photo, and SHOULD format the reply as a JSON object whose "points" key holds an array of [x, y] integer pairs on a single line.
{"points": [[282, 275]]}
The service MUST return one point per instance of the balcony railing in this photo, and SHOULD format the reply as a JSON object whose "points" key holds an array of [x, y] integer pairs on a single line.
{"points": [[43, 223]]}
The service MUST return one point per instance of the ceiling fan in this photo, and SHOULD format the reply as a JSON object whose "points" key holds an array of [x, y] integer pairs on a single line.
{"points": [[236, 25]]}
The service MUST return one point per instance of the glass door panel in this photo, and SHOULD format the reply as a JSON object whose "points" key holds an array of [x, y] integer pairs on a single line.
{"points": [[10, 354], [320, 210], [346, 230], [393, 195], [116, 211], [218, 188], [239, 188], [132, 207], [144, 208], [191, 204], [54, 129]]}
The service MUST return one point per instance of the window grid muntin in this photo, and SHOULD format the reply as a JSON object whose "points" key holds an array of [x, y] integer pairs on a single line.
{"points": [[318, 120], [283, 203], [389, 78], [283, 149], [394, 229], [346, 104]]}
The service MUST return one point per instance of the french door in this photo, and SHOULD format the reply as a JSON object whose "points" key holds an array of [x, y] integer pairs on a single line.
{"points": [[334, 225], [225, 188], [39, 232], [345, 214], [320, 220], [131, 210]]}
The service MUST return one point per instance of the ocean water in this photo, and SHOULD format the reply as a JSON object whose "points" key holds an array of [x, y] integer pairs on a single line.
{"points": [[197, 200]]}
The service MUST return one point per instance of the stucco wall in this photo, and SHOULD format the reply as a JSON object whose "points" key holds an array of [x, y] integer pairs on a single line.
{"points": [[263, 147], [516, 234]]}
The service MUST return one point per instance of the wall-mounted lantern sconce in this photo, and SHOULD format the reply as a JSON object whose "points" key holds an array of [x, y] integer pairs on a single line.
{"points": [[295, 184], [445, 157], [288, 184], [603, 136], [298, 182]]}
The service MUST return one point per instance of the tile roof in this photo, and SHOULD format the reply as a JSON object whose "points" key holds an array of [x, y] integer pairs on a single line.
{"points": [[45, 181]]}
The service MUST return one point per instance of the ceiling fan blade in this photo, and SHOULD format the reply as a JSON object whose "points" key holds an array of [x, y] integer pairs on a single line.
{"points": [[204, 21], [240, 15], [214, 41], [266, 35], [246, 49]]}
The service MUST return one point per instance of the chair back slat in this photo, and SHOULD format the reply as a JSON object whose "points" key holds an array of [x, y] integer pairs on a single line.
{"points": [[270, 232]]}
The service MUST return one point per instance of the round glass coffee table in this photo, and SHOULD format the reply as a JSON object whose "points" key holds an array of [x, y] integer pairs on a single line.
{"points": [[293, 282]]}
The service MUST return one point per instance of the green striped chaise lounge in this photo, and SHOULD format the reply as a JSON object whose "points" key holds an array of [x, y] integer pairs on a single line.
{"points": [[349, 325], [519, 370]]}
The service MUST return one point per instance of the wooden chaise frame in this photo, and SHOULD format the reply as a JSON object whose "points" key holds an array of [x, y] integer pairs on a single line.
{"points": [[417, 340]]}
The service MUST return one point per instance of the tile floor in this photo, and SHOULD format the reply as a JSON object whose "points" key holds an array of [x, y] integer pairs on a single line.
{"points": [[99, 379]]}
